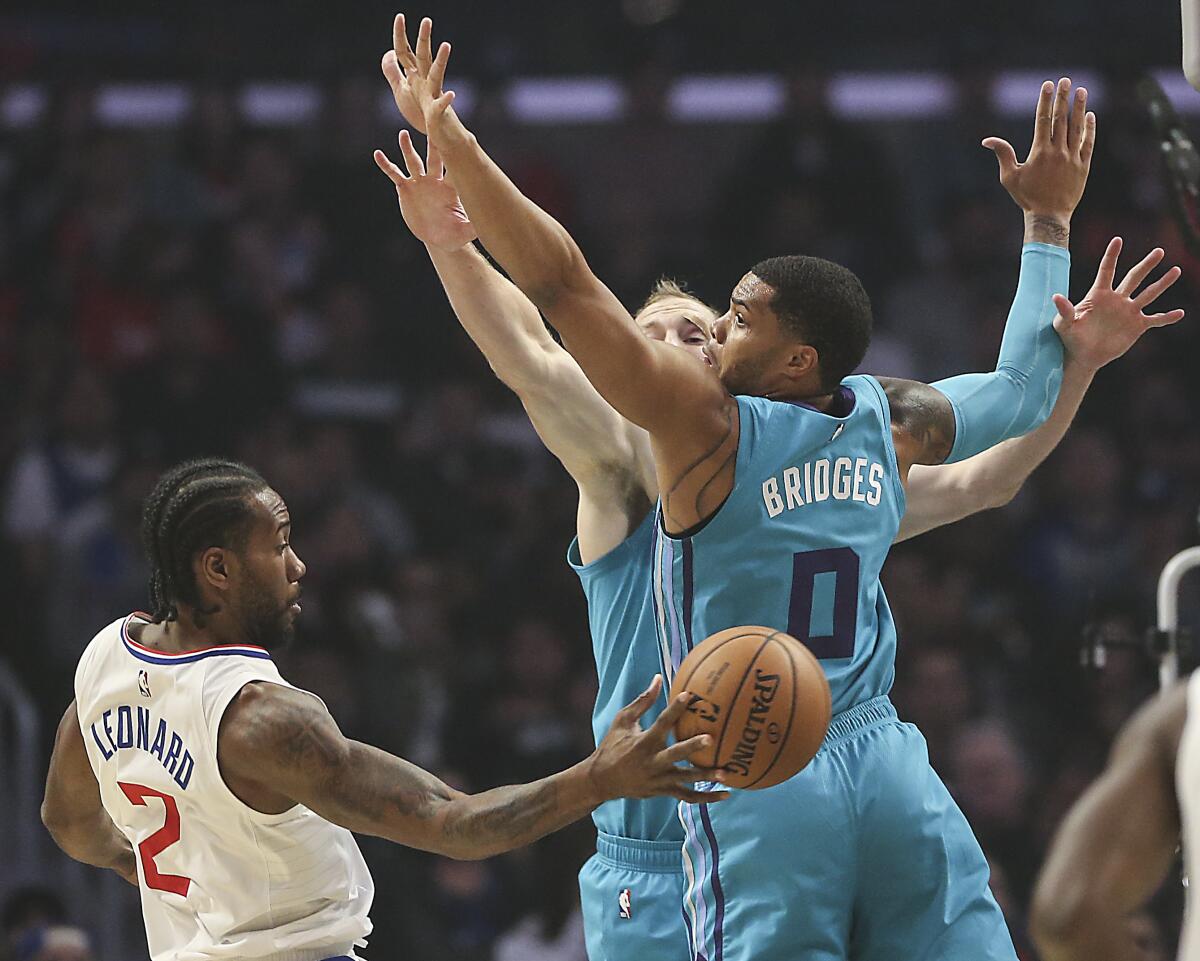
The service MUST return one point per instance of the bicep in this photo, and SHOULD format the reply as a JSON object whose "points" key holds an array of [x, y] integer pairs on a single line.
{"points": [[923, 422]]}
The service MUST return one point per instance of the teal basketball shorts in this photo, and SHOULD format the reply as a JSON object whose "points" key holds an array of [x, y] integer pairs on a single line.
{"points": [[863, 855], [632, 896]]}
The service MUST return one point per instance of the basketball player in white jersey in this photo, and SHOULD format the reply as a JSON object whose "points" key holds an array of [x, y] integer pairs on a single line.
{"points": [[191, 768], [1117, 845]]}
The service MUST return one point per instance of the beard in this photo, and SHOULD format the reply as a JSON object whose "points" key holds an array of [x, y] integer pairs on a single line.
{"points": [[264, 622]]}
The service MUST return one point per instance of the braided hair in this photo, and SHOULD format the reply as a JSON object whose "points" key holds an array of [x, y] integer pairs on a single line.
{"points": [[195, 505]]}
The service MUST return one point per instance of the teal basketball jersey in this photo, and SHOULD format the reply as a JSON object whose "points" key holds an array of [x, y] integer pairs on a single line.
{"points": [[621, 618], [799, 543]]}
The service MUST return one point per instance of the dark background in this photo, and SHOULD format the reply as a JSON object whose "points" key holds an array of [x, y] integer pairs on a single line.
{"points": [[216, 286]]}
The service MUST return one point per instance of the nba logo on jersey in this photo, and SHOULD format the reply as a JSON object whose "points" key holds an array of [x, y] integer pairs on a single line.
{"points": [[143, 683], [625, 903]]}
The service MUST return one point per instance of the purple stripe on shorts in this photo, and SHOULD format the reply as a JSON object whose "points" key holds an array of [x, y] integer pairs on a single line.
{"points": [[719, 926]]}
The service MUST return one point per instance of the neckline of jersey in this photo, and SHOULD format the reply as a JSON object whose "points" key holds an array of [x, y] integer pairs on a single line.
{"points": [[252, 650]]}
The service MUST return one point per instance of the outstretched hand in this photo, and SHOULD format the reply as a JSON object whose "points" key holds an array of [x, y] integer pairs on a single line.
{"points": [[630, 762], [416, 77], [1051, 180], [1108, 321], [428, 201]]}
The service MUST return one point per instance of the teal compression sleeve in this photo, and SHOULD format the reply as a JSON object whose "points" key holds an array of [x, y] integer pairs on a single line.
{"points": [[1019, 394]]}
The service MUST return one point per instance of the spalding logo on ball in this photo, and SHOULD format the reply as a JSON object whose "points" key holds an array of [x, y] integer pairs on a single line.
{"points": [[763, 698]]}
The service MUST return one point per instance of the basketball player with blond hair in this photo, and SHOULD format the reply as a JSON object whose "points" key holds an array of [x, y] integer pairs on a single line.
{"points": [[189, 766], [632, 887]]}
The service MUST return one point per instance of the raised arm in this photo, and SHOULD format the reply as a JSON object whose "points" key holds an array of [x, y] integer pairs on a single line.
{"points": [[593, 442], [1101, 328], [1116, 845], [690, 416], [72, 810], [284, 741], [957, 418]]}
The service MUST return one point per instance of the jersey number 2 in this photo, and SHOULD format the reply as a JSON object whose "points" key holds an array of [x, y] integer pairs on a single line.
{"points": [[824, 608], [159, 841]]}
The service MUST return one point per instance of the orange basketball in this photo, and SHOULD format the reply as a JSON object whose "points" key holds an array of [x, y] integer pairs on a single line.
{"points": [[764, 699]]}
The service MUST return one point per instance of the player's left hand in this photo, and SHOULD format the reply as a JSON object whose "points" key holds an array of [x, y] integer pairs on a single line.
{"points": [[1108, 321]]}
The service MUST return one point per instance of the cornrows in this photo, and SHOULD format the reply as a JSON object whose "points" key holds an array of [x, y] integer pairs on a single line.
{"points": [[195, 505]]}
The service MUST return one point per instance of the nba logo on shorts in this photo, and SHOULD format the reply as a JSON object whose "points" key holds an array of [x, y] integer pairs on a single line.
{"points": [[625, 903]]}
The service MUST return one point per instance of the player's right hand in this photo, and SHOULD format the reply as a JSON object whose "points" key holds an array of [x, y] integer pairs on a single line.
{"points": [[631, 762], [1051, 180], [416, 76], [428, 201]]}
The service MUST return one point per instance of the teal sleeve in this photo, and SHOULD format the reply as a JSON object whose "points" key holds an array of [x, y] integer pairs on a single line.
{"points": [[1019, 394]]}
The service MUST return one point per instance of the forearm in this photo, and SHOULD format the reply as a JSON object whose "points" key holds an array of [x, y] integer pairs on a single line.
{"points": [[532, 247], [97, 842], [499, 319], [945, 493], [544, 262], [1019, 394], [482, 825], [373, 792]]}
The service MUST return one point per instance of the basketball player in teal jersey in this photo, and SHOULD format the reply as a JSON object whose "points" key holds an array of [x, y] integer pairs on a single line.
{"points": [[602, 453]]}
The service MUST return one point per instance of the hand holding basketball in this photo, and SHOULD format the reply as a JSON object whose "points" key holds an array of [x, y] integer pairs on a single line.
{"points": [[631, 762]]}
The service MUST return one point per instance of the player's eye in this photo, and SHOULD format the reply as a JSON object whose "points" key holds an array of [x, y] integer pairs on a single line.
{"points": [[284, 546], [739, 320]]}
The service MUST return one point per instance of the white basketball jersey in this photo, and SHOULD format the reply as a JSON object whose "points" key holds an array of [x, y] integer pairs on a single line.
{"points": [[218, 880], [1187, 786]]}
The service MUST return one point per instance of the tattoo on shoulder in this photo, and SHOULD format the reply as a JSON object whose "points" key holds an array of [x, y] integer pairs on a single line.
{"points": [[925, 415]]}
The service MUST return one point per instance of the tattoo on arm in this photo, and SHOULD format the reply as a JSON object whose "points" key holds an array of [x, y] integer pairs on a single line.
{"points": [[683, 502], [923, 415], [510, 817], [1040, 229]]}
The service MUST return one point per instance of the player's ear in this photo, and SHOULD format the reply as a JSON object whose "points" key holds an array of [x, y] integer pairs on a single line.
{"points": [[213, 567], [802, 361]]}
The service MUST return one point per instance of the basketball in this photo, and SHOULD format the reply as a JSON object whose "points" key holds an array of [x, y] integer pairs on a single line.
{"points": [[763, 698]]}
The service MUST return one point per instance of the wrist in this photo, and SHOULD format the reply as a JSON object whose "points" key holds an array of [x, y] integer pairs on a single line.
{"points": [[1079, 369], [1047, 228], [588, 782]]}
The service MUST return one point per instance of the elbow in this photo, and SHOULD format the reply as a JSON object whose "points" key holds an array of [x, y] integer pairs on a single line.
{"points": [[58, 825], [560, 274], [1002, 497], [1061, 921]]}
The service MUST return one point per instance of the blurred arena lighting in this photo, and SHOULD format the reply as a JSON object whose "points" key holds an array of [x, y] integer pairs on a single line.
{"points": [[1014, 90], [144, 105], [22, 106], [1178, 90], [647, 13], [692, 98], [891, 96], [566, 100], [280, 104], [744, 99]]}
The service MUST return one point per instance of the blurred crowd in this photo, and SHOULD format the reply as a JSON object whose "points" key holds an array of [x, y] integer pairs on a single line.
{"points": [[218, 289]]}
